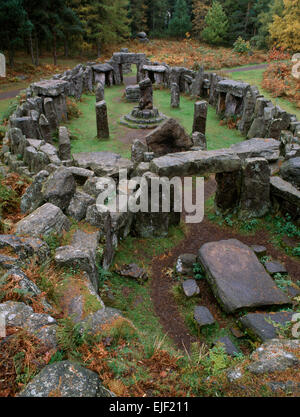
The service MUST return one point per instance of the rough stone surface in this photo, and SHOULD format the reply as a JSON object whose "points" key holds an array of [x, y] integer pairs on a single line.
{"points": [[99, 92], [137, 151], [33, 197], [79, 204], [237, 278], [43, 221], [203, 316], [65, 379], [26, 248], [257, 148], [199, 140], [133, 271], [190, 287], [185, 264], [21, 315], [103, 163], [259, 250], [64, 144], [290, 171], [60, 188], [102, 120], [200, 116], [259, 325], [275, 356], [167, 138], [146, 100], [229, 347], [286, 196], [255, 190], [175, 96], [274, 267]]}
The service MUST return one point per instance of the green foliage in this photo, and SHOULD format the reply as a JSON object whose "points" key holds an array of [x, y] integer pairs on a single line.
{"points": [[241, 46], [217, 360], [69, 336], [53, 240], [180, 24], [198, 271], [216, 25], [296, 251], [282, 281]]}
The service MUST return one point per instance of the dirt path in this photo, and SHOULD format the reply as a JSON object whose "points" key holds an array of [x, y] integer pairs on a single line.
{"points": [[9, 94], [251, 67], [164, 303]]}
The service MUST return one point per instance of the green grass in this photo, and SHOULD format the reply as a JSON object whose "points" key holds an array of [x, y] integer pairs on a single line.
{"points": [[84, 128], [255, 77]]}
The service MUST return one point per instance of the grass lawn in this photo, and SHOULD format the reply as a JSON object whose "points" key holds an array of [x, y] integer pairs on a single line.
{"points": [[83, 129], [255, 77]]}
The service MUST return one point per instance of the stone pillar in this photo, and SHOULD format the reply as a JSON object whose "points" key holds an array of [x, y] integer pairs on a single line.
{"points": [[99, 92], [255, 189], [2, 66], [45, 129], [175, 96], [228, 191], [64, 144], [200, 116], [146, 101], [197, 83], [102, 120], [199, 140], [50, 113]]}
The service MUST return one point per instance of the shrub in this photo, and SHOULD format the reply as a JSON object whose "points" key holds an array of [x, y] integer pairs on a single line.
{"points": [[72, 109], [216, 24], [241, 46]]}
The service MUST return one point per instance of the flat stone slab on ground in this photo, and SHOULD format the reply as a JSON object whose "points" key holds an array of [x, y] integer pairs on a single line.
{"points": [[259, 250], [237, 278], [203, 316], [228, 345], [259, 325], [190, 288], [274, 267]]}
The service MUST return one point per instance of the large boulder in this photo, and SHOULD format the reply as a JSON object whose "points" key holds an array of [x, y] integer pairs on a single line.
{"points": [[237, 278], [79, 205], [290, 171], [60, 188], [103, 163], [45, 220], [65, 379], [286, 196], [34, 197], [25, 248], [169, 137]]}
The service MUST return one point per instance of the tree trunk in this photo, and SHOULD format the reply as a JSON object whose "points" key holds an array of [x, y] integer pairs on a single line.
{"points": [[31, 49], [98, 49], [11, 57], [66, 47], [37, 53], [54, 50]]}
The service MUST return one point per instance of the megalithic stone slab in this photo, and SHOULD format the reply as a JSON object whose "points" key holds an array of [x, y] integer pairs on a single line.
{"points": [[237, 278], [64, 147], [175, 96], [99, 92], [200, 116], [102, 120]]}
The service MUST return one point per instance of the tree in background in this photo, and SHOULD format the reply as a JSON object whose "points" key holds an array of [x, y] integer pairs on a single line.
{"points": [[180, 22], [285, 29], [262, 38], [158, 13], [14, 26], [216, 25], [138, 15], [200, 10]]}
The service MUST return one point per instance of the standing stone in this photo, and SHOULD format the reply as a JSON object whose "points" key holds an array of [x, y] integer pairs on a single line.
{"points": [[255, 190], [197, 83], [102, 121], [99, 92], [175, 96], [64, 149], [199, 140], [146, 101], [45, 129], [50, 113], [228, 191], [2, 66], [200, 116]]}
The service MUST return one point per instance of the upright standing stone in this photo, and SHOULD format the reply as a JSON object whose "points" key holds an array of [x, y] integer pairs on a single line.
{"points": [[45, 129], [50, 113], [255, 191], [102, 121], [2, 66], [64, 149], [99, 92], [175, 96], [200, 116], [199, 140], [146, 101]]}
